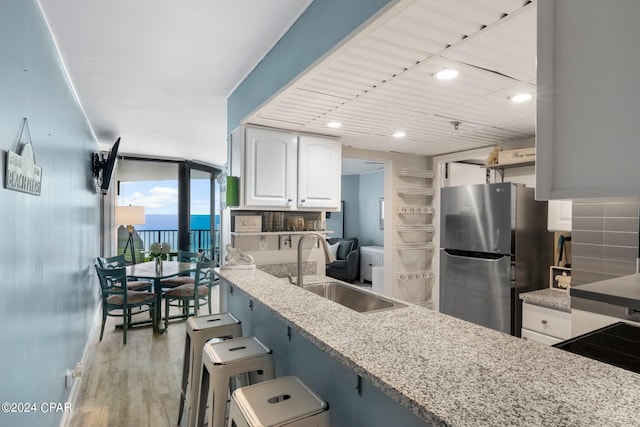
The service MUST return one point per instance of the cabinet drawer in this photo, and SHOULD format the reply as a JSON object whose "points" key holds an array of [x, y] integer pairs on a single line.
{"points": [[539, 338], [546, 321]]}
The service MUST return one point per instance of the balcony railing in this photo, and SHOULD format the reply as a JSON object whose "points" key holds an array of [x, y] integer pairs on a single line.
{"points": [[199, 240]]}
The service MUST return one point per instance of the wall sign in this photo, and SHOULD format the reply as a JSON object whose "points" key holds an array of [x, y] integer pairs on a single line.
{"points": [[248, 224], [22, 172]]}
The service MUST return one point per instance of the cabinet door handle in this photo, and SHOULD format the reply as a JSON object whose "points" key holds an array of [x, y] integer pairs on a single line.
{"points": [[544, 322], [289, 201], [303, 200]]}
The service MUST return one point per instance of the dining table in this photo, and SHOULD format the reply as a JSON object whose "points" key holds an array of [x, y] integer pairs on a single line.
{"points": [[149, 271]]}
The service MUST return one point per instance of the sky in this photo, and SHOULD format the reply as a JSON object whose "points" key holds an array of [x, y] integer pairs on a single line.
{"points": [[161, 197]]}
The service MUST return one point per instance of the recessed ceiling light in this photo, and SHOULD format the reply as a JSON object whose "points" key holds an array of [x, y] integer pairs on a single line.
{"points": [[399, 134], [334, 125], [446, 74], [521, 97]]}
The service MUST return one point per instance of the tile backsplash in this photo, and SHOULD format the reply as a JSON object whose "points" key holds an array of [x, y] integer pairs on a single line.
{"points": [[604, 239]]}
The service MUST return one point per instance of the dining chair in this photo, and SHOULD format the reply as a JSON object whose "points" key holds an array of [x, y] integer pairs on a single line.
{"points": [[192, 294], [184, 278], [117, 262], [118, 302]]}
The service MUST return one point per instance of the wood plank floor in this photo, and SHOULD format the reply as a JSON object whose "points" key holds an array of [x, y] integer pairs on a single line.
{"points": [[137, 384]]}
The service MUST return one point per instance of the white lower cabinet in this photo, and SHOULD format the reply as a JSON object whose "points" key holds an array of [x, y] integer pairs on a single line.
{"points": [[545, 325], [539, 338], [587, 321]]}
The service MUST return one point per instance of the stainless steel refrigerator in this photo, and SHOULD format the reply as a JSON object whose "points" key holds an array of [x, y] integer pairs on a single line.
{"points": [[494, 245]]}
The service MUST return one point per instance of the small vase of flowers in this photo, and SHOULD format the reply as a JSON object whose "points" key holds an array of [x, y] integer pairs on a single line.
{"points": [[159, 252]]}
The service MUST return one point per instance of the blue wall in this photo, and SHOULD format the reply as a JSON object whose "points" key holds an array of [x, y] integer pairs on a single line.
{"points": [[351, 214], [371, 190], [323, 25], [48, 292], [361, 195]]}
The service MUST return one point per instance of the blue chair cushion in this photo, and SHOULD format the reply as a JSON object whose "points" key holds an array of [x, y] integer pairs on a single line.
{"points": [[178, 281], [133, 297], [187, 291]]}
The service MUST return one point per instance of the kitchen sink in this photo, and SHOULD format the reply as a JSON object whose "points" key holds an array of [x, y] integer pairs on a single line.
{"points": [[352, 297]]}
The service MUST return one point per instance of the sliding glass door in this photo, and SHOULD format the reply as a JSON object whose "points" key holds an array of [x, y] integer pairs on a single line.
{"points": [[203, 228], [181, 205]]}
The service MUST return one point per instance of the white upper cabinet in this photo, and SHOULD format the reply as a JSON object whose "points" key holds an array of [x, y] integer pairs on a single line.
{"points": [[282, 170], [270, 172], [319, 172], [588, 99], [559, 215]]}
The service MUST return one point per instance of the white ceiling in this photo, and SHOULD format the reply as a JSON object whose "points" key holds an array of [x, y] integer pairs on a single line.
{"points": [[359, 166], [382, 80], [157, 73]]}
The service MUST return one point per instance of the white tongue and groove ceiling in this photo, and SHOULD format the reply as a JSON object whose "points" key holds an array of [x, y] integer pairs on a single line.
{"points": [[381, 80]]}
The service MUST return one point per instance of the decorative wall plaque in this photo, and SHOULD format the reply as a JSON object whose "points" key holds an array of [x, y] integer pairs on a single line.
{"points": [[248, 224], [22, 172]]}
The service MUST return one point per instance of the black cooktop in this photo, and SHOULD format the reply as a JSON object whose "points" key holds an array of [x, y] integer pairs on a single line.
{"points": [[617, 344]]}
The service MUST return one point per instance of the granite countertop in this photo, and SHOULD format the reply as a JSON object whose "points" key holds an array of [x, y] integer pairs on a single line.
{"points": [[451, 372], [557, 299], [621, 291]]}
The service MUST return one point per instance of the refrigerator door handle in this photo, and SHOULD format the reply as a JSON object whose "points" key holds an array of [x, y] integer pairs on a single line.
{"points": [[474, 255], [496, 248]]}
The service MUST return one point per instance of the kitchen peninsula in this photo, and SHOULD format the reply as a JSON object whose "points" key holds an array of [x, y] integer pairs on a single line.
{"points": [[429, 368]]}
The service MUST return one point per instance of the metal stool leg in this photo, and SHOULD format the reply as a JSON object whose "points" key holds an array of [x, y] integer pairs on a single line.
{"points": [[185, 375], [201, 329]]}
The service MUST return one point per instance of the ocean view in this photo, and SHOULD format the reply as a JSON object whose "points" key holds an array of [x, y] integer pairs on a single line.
{"points": [[170, 222]]}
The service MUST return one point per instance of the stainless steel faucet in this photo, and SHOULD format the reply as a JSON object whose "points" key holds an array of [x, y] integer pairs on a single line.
{"points": [[327, 255]]}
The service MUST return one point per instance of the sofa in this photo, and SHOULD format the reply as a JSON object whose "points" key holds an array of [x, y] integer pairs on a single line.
{"points": [[347, 264]]}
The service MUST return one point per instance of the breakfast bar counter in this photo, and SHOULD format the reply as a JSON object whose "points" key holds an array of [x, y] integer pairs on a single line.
{"points": [[443, 370]]}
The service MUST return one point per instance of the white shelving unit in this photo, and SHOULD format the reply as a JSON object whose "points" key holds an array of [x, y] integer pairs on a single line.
{"points": [[412, 209], [413, 235], [423, 246], [412, 228], [289, 234], [265, 241], [416, 275], [416, 192], [279, 233]]}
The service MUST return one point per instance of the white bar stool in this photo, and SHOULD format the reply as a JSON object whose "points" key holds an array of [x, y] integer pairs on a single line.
{"points": [[201, 329], [285, 401], [222, 361]]}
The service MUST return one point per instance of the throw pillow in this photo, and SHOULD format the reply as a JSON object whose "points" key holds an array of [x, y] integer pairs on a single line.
{"points": [[333, 249]]}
